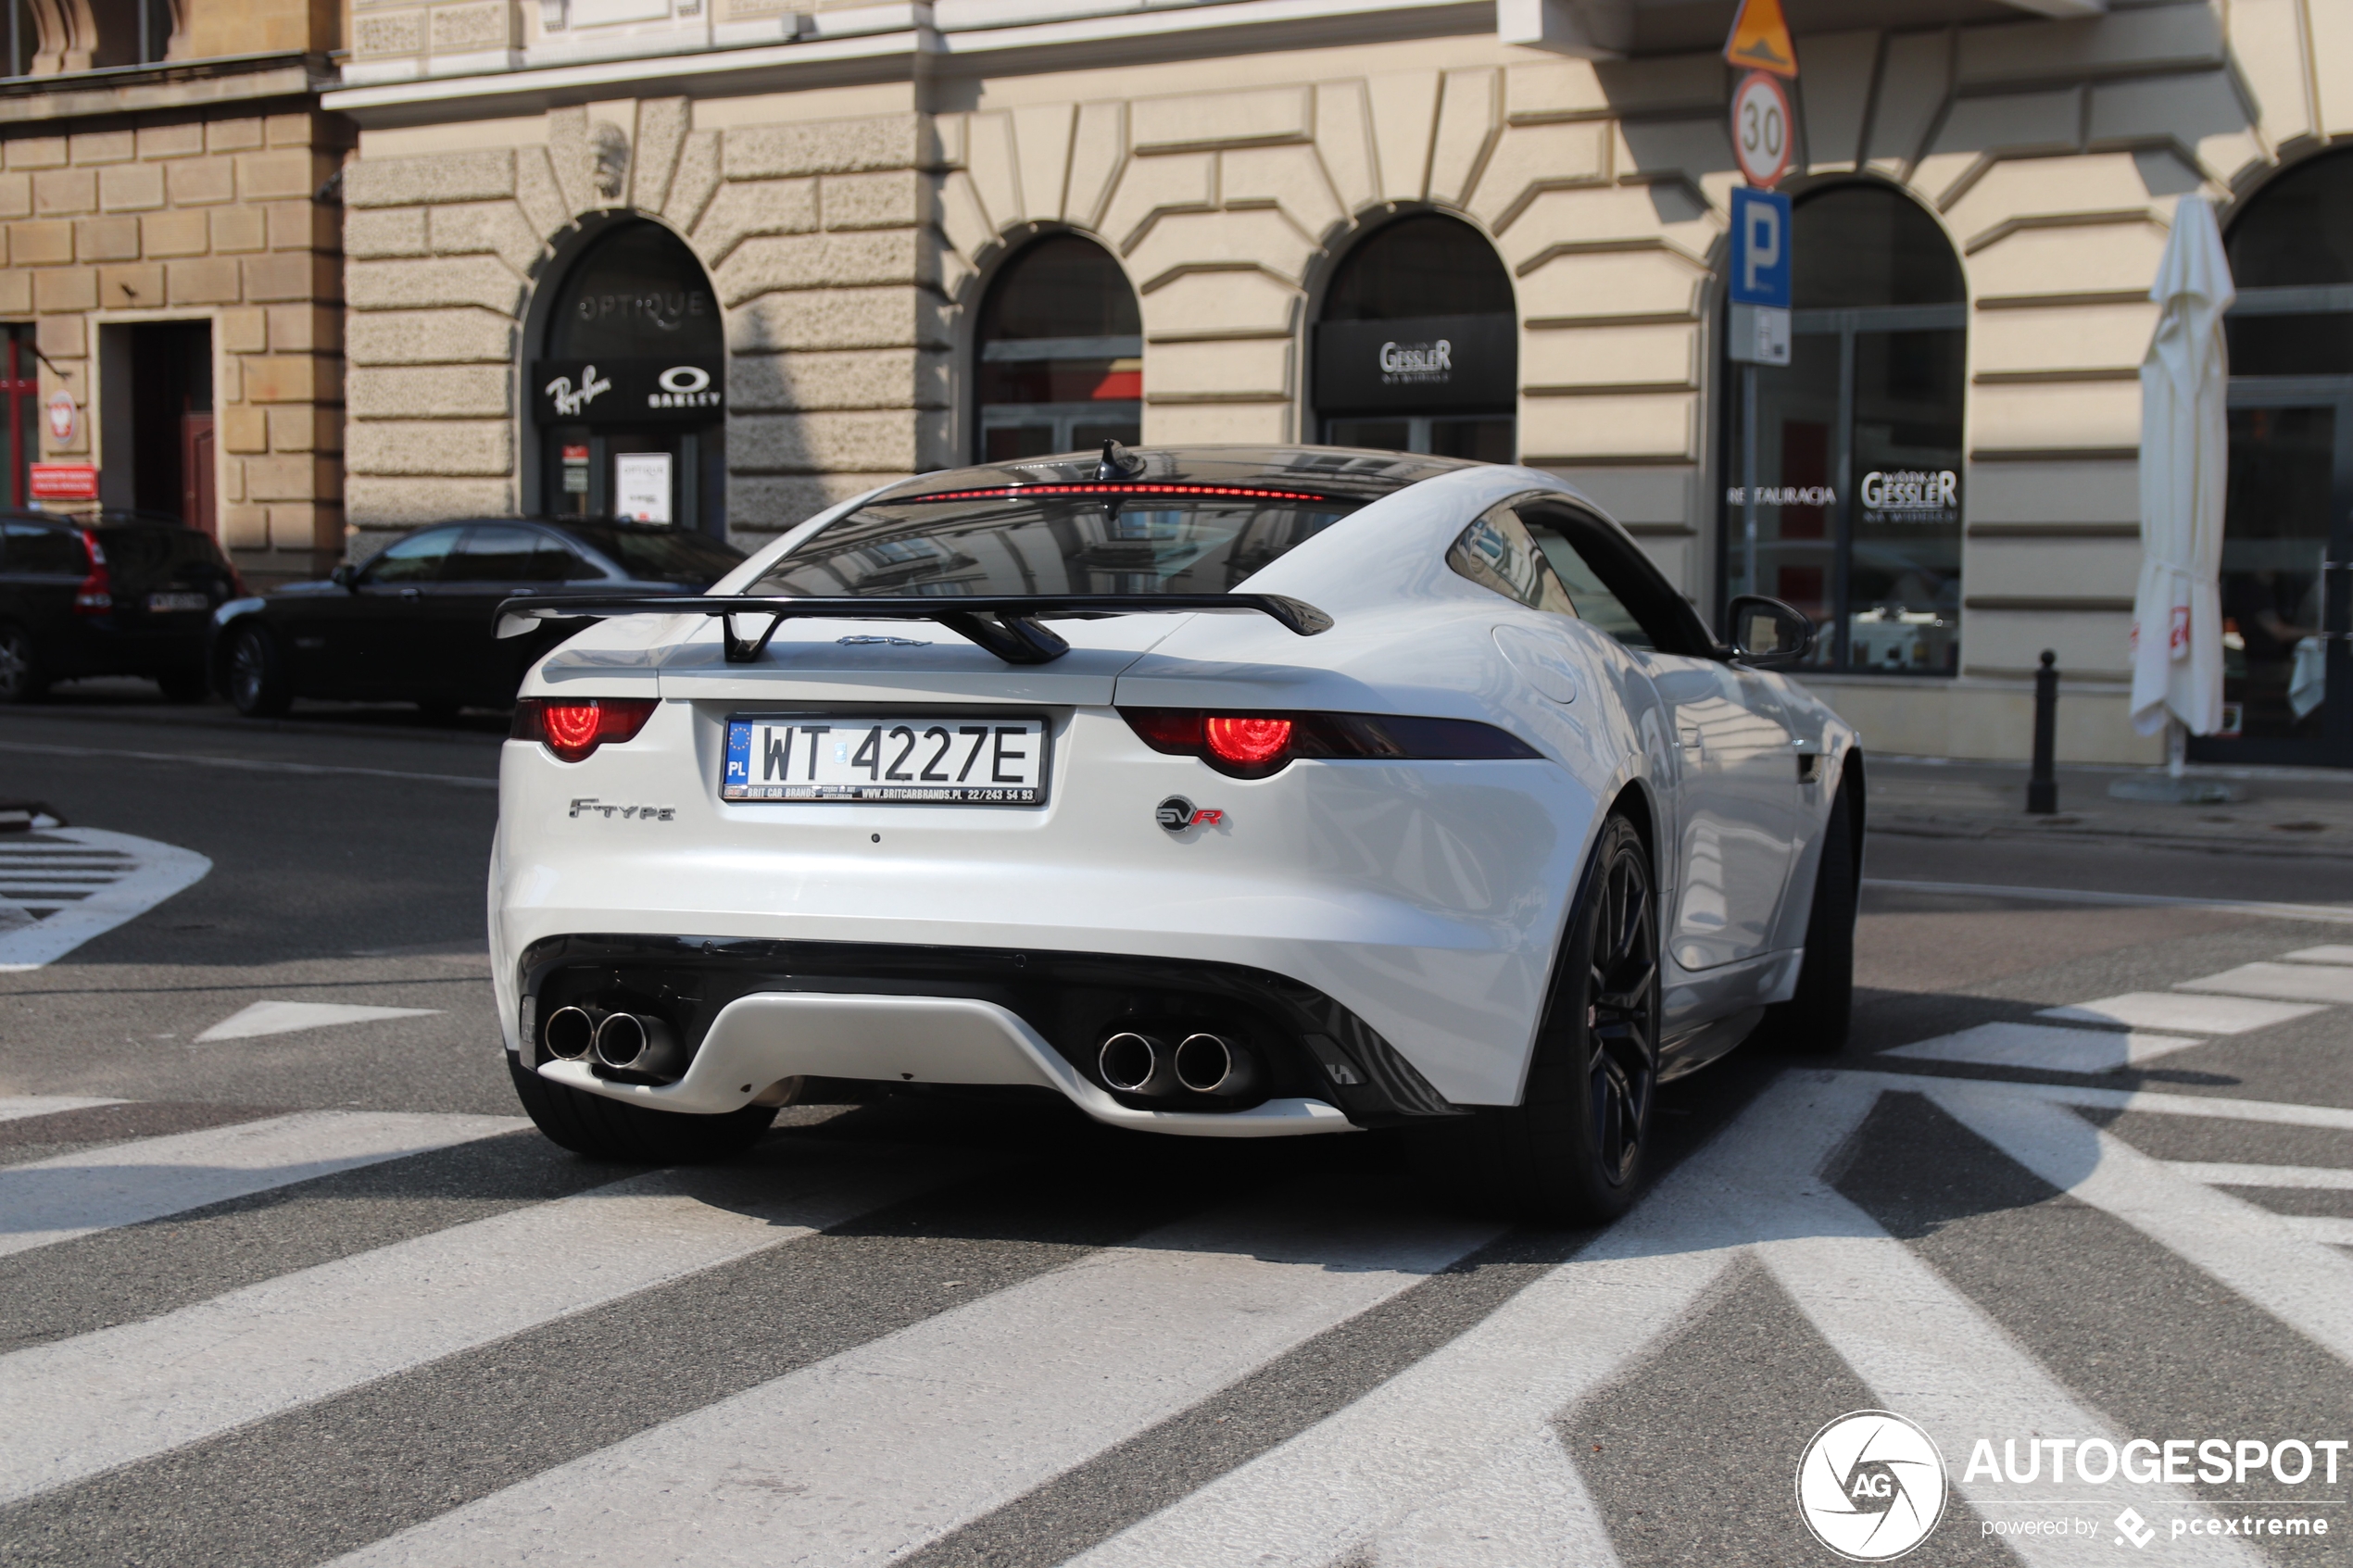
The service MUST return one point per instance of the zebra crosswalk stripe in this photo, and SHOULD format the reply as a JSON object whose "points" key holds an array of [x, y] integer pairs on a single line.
{"points": [[16, 1108], [2301, 1281], [45, 1201], [1427, 1439], [874, 1452], [87, 1404]]}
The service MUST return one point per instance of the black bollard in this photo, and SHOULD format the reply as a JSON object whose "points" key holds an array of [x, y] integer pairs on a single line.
{"points": [[2042, 786]]}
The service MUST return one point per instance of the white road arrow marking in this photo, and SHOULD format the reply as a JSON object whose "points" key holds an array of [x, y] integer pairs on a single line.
{"points": [[284, 1018], [41, 923]]}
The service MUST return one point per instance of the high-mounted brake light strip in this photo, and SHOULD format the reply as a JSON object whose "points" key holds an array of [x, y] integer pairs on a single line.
{"points": [[1015, 491]]}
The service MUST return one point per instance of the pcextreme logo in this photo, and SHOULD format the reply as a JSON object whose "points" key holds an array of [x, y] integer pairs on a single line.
{"points": [[1870, 1485]]}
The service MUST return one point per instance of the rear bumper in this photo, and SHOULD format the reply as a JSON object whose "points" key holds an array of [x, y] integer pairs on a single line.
{"points": [[760, 1040], [755, 1012]]}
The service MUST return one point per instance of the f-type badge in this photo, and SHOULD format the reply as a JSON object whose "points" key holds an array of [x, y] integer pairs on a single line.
{"points": [[1177, 814]]}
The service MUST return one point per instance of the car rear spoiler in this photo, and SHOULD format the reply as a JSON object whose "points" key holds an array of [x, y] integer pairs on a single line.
{"points": [[1004, 624]]}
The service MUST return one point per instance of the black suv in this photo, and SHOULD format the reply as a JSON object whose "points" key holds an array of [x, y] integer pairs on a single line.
{"points": [[122, 594], [418, 622]]}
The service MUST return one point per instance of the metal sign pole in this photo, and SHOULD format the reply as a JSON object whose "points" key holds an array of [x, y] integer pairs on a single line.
{"points": [[1749, 581]]}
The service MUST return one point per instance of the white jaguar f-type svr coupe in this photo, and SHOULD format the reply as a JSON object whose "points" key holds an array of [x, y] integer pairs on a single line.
{"points": [[1220, 790]]}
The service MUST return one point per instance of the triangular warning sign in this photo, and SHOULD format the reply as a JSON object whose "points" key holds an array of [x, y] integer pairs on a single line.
{"points": [[1760, 39]]}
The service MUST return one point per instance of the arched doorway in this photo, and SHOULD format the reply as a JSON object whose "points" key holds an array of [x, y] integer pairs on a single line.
{"points": [[630, 390], [1058, 359], [2287, 521], [1418, 347], [1857, 520]]}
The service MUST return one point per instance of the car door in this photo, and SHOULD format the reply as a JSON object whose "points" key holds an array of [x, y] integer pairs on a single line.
{"points": [[494, 562], [369, 641], [1738, 795]]}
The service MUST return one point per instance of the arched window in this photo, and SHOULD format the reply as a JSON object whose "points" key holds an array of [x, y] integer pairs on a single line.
{"points": [[1418, 349], [1857, 443], [630, 392], [1060, 356], [2284, 678]]}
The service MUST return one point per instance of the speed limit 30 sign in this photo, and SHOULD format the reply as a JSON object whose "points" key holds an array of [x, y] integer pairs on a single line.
{"points": [[1761, 128]]}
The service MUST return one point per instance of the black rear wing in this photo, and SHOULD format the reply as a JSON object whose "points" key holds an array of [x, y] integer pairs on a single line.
{"points": [[1005, 624]]}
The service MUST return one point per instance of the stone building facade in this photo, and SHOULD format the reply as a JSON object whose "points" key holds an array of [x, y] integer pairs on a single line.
{"points": [[171, 261], [852, 183]]}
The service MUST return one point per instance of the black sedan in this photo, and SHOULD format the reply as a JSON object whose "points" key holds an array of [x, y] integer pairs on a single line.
{"points": [[118, 594], [417, 623]]}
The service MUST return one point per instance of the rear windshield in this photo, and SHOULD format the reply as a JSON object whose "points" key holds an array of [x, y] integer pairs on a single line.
{"points": [[152, 552], [660, 554], [1086, 539]]}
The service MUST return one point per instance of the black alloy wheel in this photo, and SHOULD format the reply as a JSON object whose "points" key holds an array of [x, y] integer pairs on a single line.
{"points": [[1621, 1013], [257, 674], [1574, 1150], [22, 679]]}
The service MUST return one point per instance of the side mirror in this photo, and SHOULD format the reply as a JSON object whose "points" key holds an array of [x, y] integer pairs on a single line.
{"points": [[1766, 634], [344, 576]]}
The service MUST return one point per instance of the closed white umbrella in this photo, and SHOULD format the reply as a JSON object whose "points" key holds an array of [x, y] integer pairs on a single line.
{"points": [[2177, 616]]}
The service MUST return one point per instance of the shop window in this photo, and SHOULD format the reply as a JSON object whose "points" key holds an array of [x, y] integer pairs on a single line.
{"points": [[1060, 363], [1418, 346], [629, 393], [2287, 516], [1858, 514], [20, 404]]}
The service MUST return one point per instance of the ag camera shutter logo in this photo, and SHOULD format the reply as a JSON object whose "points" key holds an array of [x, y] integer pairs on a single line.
{"points": [[1872, 1485]]}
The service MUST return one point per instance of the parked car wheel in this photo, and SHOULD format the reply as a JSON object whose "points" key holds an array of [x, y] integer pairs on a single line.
{"points": [[607, 1129], [182, 685], [1814, 1021], [22, 678], [1574, 1149], [258, 683]]}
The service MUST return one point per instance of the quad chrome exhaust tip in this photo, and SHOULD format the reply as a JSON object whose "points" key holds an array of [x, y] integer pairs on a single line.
{"points": [[569, 1034], [1136, 1064], [1212, 1064], [630, 1042]]}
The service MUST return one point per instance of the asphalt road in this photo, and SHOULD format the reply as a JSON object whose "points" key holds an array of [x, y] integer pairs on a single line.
{"points": [[281, 1297]]}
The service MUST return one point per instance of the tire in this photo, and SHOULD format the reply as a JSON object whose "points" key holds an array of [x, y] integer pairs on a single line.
{"points": [[631, 1134], [253, 674], [1815, 1018], [22, 676], [183, 685], [1574, 1150]]}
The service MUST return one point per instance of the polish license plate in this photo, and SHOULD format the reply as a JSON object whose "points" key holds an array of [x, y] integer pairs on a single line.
{"points": [[171, 604], [994, 759]]}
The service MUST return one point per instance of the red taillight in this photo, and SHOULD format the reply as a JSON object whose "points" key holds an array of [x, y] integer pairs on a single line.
{"points": [[572, 728], [95, 596], [1248, 741], [1253, 746]]}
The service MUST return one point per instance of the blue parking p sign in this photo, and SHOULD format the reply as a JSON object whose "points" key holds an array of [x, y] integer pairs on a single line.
{"points": [[1760, 247]]}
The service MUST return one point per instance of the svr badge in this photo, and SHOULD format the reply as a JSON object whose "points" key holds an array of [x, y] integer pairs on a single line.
{"points": [[1177, 814]]}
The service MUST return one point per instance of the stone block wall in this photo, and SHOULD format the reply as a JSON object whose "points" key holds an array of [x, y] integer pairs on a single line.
{"points": [[208, 219], [818, 237]]}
